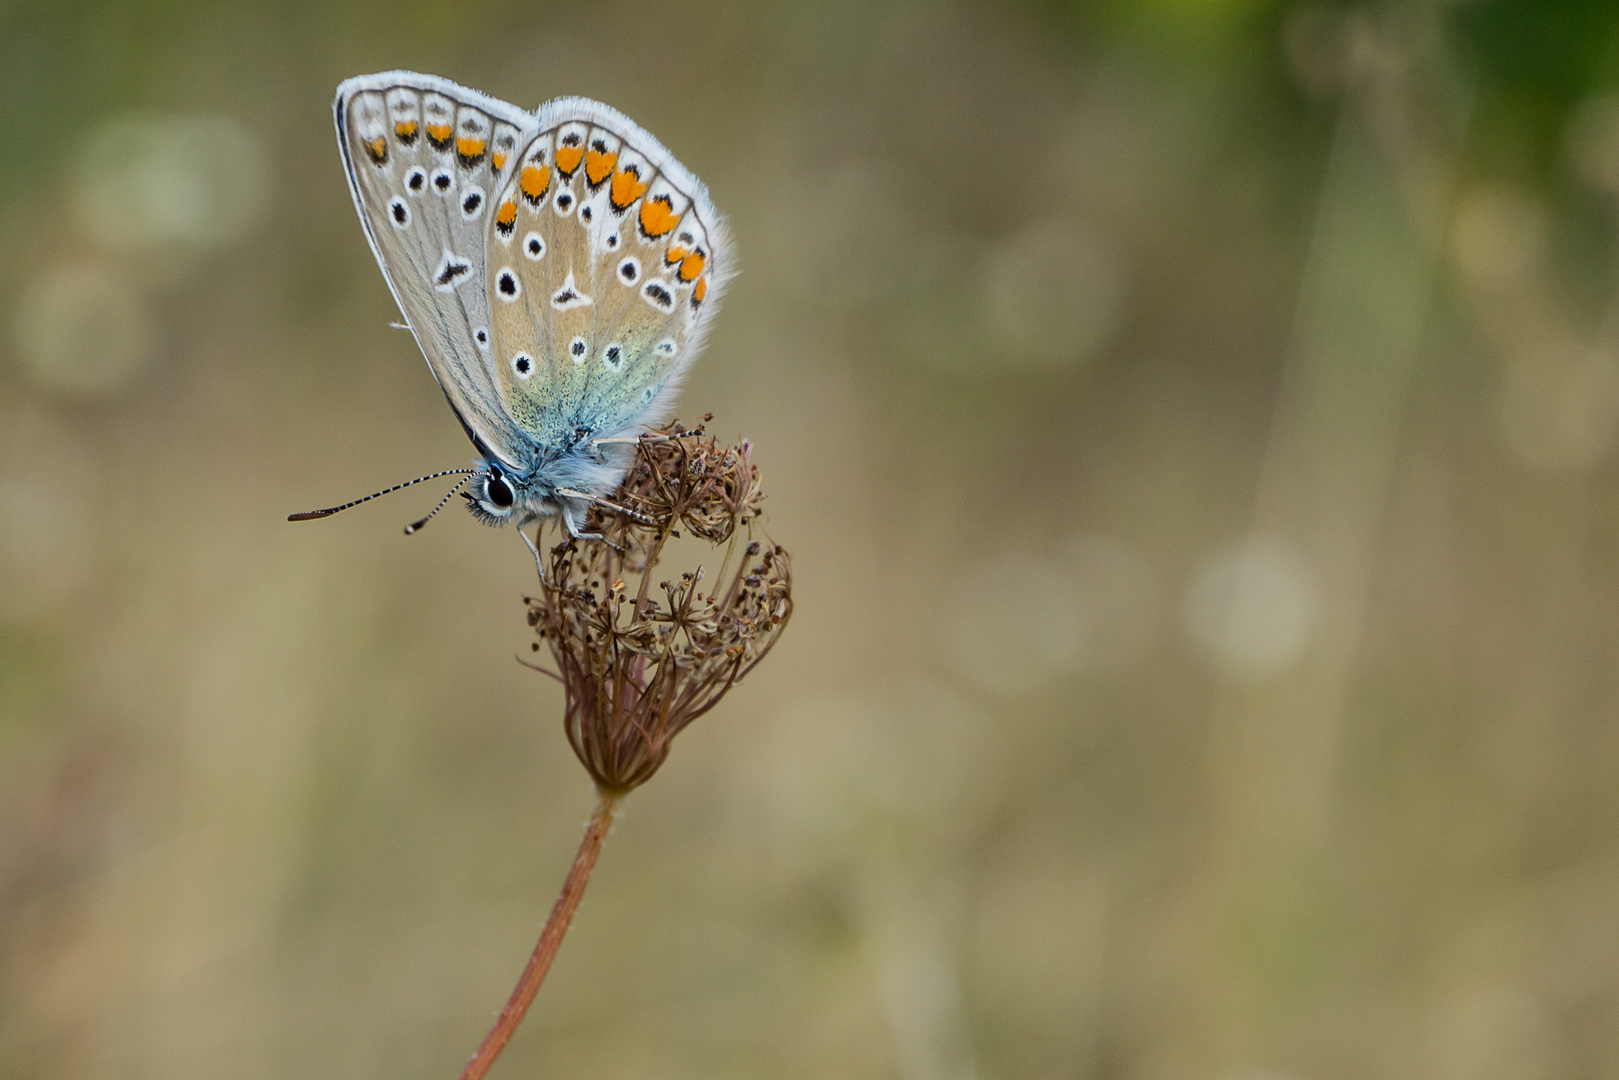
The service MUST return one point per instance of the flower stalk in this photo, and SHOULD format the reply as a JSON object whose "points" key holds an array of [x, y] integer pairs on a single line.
{"points": [[545, 950]]}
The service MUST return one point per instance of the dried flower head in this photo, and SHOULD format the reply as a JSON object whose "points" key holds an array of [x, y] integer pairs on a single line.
{"points": [[640, 655]]}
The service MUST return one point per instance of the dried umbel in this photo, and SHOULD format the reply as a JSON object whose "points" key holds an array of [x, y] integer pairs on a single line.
{"points": [[640, 652]]}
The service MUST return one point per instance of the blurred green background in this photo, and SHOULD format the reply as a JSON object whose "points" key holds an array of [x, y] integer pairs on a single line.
{"points": [[1193, 422]]}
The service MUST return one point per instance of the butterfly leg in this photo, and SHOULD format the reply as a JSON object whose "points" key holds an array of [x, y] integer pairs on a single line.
{"points": [[567, 516], [573, 528], [633, 440], [633, 515], [539, 563]]}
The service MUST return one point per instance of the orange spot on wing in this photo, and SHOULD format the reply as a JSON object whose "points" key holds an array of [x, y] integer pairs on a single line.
{"points": [[700, 291], [469, 149], [691, 266], [499, 159], [627, 187], [506, 216], [406, 130], [598, 165], [674, 255], [568, 158], [657, 217], [536, 181], [377, 148], [439, 136]]}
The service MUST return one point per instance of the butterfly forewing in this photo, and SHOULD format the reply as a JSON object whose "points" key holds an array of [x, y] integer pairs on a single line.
{"points": [[606, 259], [424, 159], [558, 268]]}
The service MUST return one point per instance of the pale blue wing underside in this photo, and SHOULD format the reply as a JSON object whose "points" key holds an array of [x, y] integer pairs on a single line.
{"points": [[607, 260], [559, 269], [423, 157]]}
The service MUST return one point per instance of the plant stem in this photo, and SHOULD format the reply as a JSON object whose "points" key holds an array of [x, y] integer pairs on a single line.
{"points": [[545, 950]]}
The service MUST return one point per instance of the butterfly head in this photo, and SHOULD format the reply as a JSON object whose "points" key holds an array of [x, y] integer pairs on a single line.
{"points": [[495, 495]]}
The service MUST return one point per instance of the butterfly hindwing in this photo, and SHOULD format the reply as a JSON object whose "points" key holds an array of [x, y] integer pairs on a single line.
{"points": [[424, 158], [606, 262]]}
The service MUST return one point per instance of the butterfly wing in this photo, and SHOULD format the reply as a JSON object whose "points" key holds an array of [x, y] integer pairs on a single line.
{"points": [[424, 158], [606, 262]]}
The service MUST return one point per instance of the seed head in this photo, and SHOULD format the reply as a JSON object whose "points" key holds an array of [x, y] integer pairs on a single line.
{"points": [[640, 652]]}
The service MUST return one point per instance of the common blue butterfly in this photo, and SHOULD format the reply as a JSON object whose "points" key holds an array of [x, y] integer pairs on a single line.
{"points": [[558, 268]]}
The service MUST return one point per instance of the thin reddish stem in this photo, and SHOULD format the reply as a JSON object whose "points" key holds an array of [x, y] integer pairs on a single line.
{"points": [[545, 950]]}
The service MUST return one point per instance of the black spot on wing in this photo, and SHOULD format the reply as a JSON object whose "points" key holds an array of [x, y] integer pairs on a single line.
{"points": [[451, 270], [658, 295]]}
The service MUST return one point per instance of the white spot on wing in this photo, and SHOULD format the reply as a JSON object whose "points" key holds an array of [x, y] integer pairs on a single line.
{"points": [[452, 270], [569, 295]]}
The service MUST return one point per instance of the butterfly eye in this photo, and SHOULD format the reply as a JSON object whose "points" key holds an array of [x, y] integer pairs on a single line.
{"points": [[496, 490]]}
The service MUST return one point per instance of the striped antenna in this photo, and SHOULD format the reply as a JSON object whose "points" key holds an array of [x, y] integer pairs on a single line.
{"points": [[311, 515], [416, 525]]}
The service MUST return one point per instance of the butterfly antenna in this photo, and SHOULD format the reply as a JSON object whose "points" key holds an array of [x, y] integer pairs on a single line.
{"points": [[311, 515], [416, 525]]}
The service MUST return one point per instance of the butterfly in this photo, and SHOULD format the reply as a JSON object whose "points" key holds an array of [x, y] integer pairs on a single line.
{"points": [[559, 269]]}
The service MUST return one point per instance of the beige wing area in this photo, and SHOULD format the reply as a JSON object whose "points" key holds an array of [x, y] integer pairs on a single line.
{"points": [[605, 262], [425, 159]]}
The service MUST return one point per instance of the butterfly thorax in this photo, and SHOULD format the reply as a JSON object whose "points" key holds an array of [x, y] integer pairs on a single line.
{"points": [[556, 480]]}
